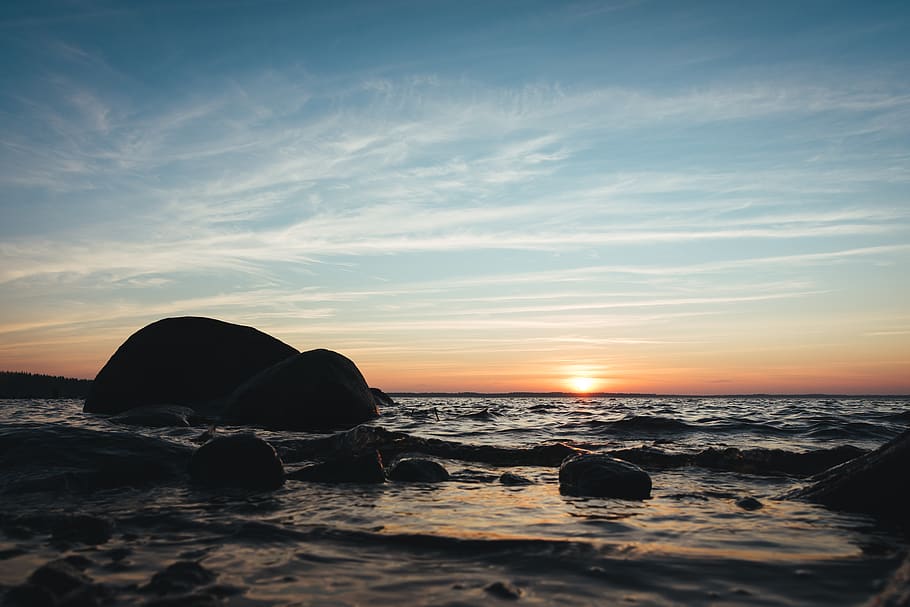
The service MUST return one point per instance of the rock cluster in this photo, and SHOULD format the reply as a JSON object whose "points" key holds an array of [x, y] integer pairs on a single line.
{"points": [[179, 369]]}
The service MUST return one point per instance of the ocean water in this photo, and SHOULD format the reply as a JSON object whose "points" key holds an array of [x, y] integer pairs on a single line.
{"points": [[471, 540]]}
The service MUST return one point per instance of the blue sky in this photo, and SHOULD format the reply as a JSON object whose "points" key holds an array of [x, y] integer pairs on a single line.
{"points": [[663, 196]]}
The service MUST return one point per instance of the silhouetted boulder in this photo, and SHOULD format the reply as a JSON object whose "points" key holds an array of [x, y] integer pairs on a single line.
{"points": [[598, 475], [875, 483], [418, 470], [189, 361], [315, 391], [361, 468], [239, 460]]}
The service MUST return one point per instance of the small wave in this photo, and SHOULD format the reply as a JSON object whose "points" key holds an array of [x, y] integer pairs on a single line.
{"points": [[643, 423]]}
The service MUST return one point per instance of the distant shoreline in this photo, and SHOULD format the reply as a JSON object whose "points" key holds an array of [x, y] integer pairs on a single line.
{"points": [[633, 395], [20, 384]]}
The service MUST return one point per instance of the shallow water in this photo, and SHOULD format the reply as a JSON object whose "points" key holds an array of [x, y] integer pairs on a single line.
{"points": [[447, 543]]}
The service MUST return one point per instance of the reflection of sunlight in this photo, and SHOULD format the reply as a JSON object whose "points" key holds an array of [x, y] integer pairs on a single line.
{"points": [[582, 385]]}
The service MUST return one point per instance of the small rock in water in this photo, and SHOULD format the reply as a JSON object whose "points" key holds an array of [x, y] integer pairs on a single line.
{"points": [[749, 503], [418, 470], [366, 468], [240, 460], [598, 475], [510, 478], [82, 528], [179, 577], [504, 590]]}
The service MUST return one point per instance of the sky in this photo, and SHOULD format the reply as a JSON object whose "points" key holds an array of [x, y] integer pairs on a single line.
{"points": [[658, 196]]}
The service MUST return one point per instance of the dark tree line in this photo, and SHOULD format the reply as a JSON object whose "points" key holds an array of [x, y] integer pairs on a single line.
{"points": [[14, 384]]}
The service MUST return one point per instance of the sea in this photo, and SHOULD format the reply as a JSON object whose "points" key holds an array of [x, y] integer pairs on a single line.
{"points": [[717, 529]]}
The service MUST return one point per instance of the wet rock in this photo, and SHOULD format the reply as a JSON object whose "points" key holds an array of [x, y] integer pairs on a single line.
{"points": [[239, 460], [59, 578], [189, 361], [749, 503], [156, 416], [775, 461], [598, 475], [382, 399], [510, 478], [652, 457], [897, 591], [82, 528], [504, 590], [418, 470], [770, 462], [876, 483], [58, 458], [179, 577], [315, 391], [393, 444], [361, 468]]}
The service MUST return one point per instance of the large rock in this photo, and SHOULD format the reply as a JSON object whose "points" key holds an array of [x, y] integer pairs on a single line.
{"points": [[315, 391], [188, 361], [876, 483], [598, 475], [240, 460]]}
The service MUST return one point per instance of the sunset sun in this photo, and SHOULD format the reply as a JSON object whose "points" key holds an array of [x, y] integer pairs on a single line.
{"points": [[582, 385]]}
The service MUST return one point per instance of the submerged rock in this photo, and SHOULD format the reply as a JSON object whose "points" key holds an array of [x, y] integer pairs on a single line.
{"points": [[512, 479], [394, 444], [418, 470], [315, 391], [876, 483], [240, 460], [749, 503], [59, 457], [155, 416], [504, 590], [186, 361], [361, 468], [83, 528], [598, 475]]}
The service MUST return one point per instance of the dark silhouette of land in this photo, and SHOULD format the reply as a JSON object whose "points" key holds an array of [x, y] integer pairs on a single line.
{"points": [[16, 384]]}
